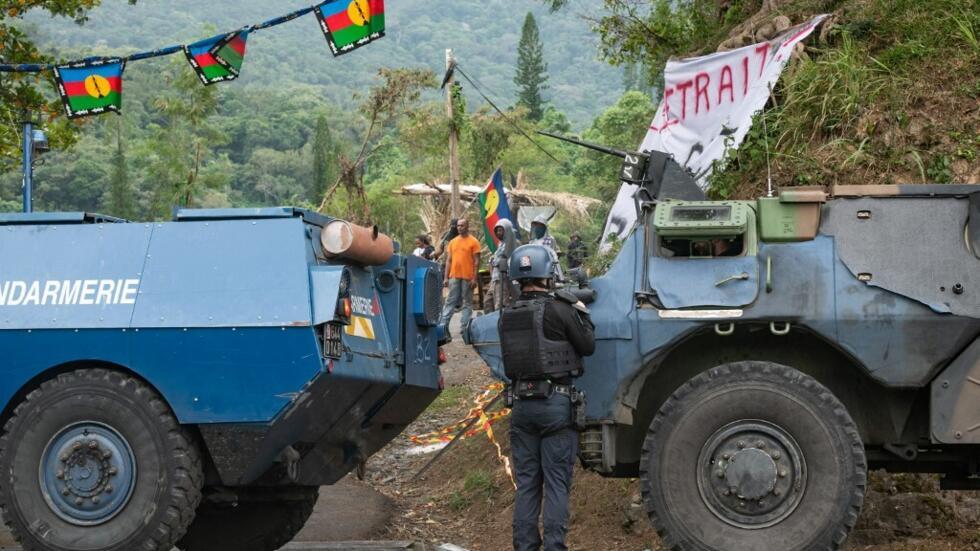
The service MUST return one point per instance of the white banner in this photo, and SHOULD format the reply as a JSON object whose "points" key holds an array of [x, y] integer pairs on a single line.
{"points": [[621, 218], [709, 101], [706, 109]]}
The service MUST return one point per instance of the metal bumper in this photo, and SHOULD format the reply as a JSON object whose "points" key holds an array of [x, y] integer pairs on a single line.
{"points": [[327, 431]]}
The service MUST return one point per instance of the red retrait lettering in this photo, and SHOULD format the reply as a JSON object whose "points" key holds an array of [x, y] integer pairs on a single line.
{"points": [[726, 83], [745, 76], [667, 94], [682, 88], [763, 50], [668, 122], [701, 82]]}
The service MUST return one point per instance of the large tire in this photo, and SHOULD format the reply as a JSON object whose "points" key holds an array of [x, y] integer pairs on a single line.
{"points": [[749, 456], [264, 524], [117, 471]]}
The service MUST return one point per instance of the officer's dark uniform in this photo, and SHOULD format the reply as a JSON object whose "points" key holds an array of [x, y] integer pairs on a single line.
{"points": [[543, 339]]}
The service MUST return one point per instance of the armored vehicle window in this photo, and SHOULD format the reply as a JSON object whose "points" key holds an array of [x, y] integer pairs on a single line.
{"points": [[704, 229], [703, 248]]}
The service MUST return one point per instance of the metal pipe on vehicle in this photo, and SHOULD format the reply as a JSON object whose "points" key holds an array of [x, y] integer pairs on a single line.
{"points": [[366, 246]]}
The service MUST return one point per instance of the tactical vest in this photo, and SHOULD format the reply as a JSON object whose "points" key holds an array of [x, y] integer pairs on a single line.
{"points": [[528, 354]]}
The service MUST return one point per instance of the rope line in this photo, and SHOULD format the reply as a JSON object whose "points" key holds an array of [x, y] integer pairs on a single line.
{"points": [[159, 52], [504, 115]]}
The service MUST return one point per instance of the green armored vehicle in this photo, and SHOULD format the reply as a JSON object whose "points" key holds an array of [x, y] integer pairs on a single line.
{"points": [[755, 359]]}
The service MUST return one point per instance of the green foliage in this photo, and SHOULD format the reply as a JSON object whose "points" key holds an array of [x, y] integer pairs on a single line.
{"points": [[969, 28], [639, 77], [459, 107], [182, 142], [555, 121], [622, 126], [23, 95], [488, 135], [939, 169], [598, 264], [531, 76], [887, 97], [385, 105], [646, 33], [750, 157], [458, 501], [325, 155], [450, 397], [901, 55], [479, 482], [477, 485], [831, 93]]}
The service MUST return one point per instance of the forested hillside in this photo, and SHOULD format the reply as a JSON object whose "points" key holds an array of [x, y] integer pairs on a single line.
{"points": [[888, 91], [483, 34], [280, 133]]}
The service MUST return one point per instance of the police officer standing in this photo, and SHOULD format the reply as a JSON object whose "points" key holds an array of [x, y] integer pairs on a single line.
{"points": [[544, 336]]}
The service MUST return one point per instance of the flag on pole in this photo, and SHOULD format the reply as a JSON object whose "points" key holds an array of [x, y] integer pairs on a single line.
{"points": [[493, 207], [218, 58], [90, 87], [350, 24]]}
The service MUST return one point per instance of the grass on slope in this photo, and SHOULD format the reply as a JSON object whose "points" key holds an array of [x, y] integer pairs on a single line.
{"points": [[891, 94]]}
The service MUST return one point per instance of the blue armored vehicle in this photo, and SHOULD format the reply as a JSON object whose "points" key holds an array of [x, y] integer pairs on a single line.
{"points": [[754, 359], [194, 382]]}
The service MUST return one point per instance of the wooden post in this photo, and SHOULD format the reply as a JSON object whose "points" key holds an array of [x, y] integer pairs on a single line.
{"points": [[453, 139]]}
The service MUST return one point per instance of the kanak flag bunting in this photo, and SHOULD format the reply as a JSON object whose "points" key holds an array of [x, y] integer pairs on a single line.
{"points": [[493, 207], [350, 24], [218, 58], [94, 86], [91, 87]]}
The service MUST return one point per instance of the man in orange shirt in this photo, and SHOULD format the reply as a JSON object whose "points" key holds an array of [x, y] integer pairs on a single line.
{"points": [[462, 265]]}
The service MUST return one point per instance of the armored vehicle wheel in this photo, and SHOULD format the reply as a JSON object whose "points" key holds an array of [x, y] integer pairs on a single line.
{"points": [[263, 522], [753, 455], [94, 459]]}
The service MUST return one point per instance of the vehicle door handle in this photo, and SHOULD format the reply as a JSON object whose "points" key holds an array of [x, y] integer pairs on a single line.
{"points": [[743, 275]]}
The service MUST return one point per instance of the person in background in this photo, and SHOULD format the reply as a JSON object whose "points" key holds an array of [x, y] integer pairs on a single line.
{"points": [[576, 251], [541, 236], [500, 282], [446, 238], [462, 266], [427, 249], [419, 246]]}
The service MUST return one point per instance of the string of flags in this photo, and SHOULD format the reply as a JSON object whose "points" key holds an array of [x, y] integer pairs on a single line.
{"points": [[93, 86]]}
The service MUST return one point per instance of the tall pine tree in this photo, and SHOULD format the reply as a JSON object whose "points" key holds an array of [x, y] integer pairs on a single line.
{"points": [[531, 69], [119, 201]]}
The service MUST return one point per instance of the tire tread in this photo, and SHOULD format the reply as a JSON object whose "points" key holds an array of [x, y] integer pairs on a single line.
{"points": [[783, 374], [185, 492]]}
